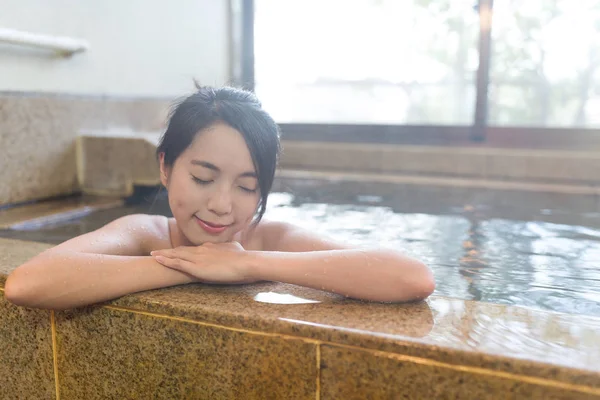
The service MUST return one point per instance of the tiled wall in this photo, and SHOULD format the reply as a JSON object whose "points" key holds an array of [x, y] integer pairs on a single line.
{"points": [[26, 361], [109, 349], [111, 352]]}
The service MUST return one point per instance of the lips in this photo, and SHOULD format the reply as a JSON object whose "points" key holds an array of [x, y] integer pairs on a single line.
{"points": [[209, 227]]}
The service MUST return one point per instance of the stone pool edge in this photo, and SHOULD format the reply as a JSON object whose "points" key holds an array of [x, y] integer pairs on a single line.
{"points": [[405, 350]]}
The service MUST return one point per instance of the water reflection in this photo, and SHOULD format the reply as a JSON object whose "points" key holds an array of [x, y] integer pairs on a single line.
{"points": [[474, 256], [542, 264], [498, 250], [518, 332], [281, 298]]}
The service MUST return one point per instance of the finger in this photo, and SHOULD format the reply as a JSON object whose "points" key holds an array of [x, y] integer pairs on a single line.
{"points": [[163, 252], [176, 263], [185, 253], [186, 248], [171, 252]]}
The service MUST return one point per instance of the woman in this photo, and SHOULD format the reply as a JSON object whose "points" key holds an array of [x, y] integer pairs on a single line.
{"points": [[217, 160]]}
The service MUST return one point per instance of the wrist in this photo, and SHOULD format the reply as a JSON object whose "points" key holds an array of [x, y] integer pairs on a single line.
{"points": [[172, 275], [253, 265]]}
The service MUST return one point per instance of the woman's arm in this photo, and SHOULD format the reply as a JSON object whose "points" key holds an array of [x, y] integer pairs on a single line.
{"points": [[84, 270], [294, 255], [285, 253]]}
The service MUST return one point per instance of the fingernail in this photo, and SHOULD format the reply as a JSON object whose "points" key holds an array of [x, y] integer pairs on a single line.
{"points": [[152, 253]]}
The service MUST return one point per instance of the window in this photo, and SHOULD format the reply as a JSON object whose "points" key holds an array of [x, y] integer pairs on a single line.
{"points": [[367, 61], [545, 63]]}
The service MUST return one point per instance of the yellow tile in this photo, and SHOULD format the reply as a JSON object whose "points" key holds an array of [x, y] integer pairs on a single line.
{"points": [[105, 353], [26, 365], [354, 374]]}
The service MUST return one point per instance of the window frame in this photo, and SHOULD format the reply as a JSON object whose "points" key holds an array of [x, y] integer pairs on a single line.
{"points": [[479, 133]]}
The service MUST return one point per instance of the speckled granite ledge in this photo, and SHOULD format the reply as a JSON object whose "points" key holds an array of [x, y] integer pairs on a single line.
{"points": [[212, 341], [483, 163], [111, 164], [40, 131]]}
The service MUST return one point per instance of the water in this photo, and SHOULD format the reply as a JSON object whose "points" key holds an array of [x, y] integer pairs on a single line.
{"points": [[528, 249]]}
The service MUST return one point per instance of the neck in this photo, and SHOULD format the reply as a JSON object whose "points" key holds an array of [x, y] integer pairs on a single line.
{"points": [[177, 237]]}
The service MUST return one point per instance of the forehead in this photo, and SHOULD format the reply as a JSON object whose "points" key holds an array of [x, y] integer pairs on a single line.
{"points": [[223, 146]]}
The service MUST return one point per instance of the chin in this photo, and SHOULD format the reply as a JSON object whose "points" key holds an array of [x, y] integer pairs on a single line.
{"points": [[212, 239], [217, 240]]}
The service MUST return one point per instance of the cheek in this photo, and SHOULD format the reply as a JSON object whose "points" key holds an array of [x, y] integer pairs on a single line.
{"points": [[180, 202], [182, 198], [176, 206], [248, 208]]}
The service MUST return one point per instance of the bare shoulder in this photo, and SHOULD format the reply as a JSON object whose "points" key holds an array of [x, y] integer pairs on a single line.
{"points": [[257, 237], [271, 235], [135, 234], [151, 231]]}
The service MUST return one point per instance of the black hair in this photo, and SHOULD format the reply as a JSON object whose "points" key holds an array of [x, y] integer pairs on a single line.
{"points": [[237, 108]]}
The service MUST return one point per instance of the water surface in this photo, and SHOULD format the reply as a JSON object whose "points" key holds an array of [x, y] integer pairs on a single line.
{"points": [[534, 250]]}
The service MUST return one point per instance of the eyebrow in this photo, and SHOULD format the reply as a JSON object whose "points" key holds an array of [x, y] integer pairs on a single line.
{"points": [[213, 167]]}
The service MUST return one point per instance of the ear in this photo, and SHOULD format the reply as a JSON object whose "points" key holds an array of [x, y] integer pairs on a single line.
{"points": [[164, 170]]}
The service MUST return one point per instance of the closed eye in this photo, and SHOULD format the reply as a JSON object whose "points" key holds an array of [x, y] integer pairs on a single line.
{"points": [[201, 181], [248, 190]]}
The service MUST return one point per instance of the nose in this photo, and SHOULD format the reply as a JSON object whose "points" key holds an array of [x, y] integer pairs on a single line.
{"points": [[219, 201]]}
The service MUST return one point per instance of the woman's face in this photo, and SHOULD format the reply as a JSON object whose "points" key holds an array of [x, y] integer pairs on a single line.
{"points": [[213, 188]]}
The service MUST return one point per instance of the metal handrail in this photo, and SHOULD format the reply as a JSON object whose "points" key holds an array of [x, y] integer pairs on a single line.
{"points": [[61, 44]]}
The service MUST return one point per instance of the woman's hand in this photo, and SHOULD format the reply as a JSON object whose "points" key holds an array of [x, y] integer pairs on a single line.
{"points": [[209, 263]]}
